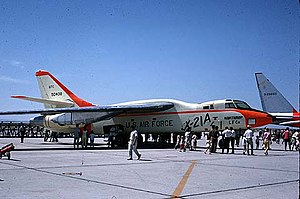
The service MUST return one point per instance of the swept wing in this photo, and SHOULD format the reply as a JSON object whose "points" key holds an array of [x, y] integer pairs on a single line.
{"points": [[134, 108]]}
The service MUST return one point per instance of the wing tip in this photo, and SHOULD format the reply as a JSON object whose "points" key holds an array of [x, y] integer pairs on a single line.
{"points": [[18, 96]]}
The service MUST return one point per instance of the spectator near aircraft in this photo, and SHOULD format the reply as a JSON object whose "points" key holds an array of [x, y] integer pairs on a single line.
{"points": [[132, 145], [266, 141], [286, 138], [226, 134], [249, 135]]}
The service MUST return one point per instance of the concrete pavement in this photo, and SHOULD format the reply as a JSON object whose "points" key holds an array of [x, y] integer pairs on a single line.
{"points": [[161, 173]]}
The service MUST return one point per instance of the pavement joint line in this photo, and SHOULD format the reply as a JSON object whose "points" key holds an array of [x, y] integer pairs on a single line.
{"points": [[94, 165], [241, 188], [177, 192], [244, 167], [89, 180]]}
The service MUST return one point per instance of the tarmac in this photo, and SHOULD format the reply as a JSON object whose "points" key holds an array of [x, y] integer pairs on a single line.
{"points": [[39, 169]]}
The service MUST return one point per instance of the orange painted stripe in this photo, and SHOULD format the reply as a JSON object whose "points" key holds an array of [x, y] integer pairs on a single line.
{"points": [[18, 96], [182, 183]]}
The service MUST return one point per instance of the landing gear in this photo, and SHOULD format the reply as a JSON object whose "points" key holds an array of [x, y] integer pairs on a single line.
{"points": [[116, 136]]}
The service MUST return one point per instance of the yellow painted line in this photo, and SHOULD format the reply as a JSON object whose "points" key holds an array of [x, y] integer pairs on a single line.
{"points": [[182, 183]]}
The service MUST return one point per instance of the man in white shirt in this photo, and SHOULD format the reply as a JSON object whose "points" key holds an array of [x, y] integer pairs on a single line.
{"points": [[248, 135], [132, 145]]}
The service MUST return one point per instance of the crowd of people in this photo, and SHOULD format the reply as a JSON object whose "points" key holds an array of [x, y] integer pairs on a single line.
{"points": [[12, 129], [188, 141], [82, 136], [229, 139]]}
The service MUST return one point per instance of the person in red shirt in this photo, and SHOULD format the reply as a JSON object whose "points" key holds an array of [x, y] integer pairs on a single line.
{"points": [[286, 138]]}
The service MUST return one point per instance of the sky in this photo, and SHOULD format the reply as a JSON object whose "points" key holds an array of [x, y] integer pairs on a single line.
{"points": [[116, 51]]}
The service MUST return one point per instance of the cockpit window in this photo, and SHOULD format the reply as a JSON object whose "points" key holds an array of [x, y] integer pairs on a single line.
{"points": [[229, 105], [241, 104]]}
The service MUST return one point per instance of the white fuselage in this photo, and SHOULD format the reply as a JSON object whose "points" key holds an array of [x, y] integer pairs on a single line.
{"points": [[176, 119]]}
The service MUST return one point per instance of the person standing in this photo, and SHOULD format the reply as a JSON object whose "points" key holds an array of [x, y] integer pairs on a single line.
{"points": [[286, 138], [22, 132], [177, 142], [181, 148], [215, 135], [187, 139], [226, 134], [257, 142], [295, 138], [194, 142], [277, 133], [208, 144], [249, 135], [92, 138], [267, 139], [132, 145], [76, 136], [84, 138], [232, 139]]}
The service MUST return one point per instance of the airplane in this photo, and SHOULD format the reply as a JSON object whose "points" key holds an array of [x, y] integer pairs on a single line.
{"points": [[64, 110], [276, 104]]}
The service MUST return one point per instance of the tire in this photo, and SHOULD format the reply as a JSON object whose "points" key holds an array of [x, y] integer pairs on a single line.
{"points": [[119, 141]]}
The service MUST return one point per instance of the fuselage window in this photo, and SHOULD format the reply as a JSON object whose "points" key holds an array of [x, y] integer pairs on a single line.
{"points": [[205, 107]]}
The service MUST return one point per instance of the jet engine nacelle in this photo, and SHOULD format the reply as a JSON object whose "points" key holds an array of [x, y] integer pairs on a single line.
{"points": [[47, 122], [68, 120]]}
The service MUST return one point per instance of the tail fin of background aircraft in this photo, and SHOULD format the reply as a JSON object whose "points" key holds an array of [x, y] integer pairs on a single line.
{"points": [[53, 90], [271, 99]]}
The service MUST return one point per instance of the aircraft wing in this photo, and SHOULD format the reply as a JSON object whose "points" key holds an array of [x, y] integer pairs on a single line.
{"points": [[290, 123], [133, 108]]}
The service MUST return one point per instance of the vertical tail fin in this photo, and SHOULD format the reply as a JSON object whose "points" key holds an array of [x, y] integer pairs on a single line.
{"points": [[271, 99], [52, 89]]}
